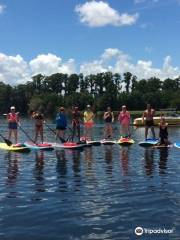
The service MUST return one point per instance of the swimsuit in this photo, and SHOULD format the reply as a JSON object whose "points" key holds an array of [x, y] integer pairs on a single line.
{"points": [[163, 134]]}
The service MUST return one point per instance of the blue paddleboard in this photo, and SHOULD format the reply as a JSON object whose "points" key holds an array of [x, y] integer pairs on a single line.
{"points": [[148, 142], [177, 145]]}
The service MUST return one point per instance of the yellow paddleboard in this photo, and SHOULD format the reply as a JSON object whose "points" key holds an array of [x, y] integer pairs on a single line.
{"points": [[125, 141], [14, 148]]}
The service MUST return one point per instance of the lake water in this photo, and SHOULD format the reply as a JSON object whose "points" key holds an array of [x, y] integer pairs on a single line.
{"points": [[102, 192]]}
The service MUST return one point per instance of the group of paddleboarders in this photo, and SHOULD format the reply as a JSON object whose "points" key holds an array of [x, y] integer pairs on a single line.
{"points": [[87, 120]]}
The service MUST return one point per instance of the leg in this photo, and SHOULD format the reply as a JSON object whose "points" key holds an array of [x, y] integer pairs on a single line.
{"points": [[10, 132], [146, 131], [105, 131], [78, 132], [41, 134], [73, 132], [15, 135], [110, 130], [153, 132], [36, 136]]}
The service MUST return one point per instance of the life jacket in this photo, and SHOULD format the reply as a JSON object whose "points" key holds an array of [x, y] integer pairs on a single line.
{"points": [[13, 117]]}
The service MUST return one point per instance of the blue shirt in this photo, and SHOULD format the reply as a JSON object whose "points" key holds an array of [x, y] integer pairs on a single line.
{"points": [[61, 120]]}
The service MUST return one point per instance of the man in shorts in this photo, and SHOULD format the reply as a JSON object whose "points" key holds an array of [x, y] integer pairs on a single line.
{"points": [[148, 120]]}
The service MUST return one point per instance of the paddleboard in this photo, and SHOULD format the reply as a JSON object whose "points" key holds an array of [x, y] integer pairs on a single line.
{"points": [[94, 143], [149, 142], [40, 146], [125, 141], [15, 147], [108, 142], [177, 145], [69, 145]]}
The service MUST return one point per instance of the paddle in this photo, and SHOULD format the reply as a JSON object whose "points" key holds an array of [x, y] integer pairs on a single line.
{"points": [[7, 141], [52, 130], [27, 135]]}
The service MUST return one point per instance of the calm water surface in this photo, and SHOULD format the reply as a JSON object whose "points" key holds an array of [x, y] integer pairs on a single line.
{"points": [[102, 192]]}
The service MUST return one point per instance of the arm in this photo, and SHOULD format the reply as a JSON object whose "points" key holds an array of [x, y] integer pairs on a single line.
{"points": [[143, 116], [112, 117]]}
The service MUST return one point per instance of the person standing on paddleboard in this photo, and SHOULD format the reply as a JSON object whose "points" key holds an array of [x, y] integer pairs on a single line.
{"points": [[39, 123], [148, 120], [61, 123], [76, 114], [163, 131], [109, 119], [13, 121], [124, 119], [88, 122]]}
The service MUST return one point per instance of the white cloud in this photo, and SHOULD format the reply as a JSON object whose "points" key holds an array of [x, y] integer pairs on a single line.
{"points": [[50, 63], [122, 63], [99, 13], [15, 70], [2, 8]]}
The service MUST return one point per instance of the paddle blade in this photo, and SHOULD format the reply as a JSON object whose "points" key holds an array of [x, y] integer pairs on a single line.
{"points": [[8, 142]]}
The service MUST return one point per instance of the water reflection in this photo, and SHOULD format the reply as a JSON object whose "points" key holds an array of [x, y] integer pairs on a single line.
{"points": [[109, 158], [61, 169], [76, 169], [149, 161], [163, 158], [39, 172], [124, 160], [12, 168]]}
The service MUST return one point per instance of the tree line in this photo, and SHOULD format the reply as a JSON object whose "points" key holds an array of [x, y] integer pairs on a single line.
{"points": [[47, 93]]}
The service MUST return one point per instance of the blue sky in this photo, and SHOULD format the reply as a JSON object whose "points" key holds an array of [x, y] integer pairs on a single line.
{"points": [[89, 36]]}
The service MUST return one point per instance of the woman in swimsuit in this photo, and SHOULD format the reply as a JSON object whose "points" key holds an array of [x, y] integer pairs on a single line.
{"points": [[163, 132], [109, 119], [39, 122]]}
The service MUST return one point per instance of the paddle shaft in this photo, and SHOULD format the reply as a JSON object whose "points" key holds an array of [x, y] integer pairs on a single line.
{"points": [[61, 139], [7, 141], [27, 135]]}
